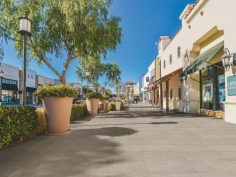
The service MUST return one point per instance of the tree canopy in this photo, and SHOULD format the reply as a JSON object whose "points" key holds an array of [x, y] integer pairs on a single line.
{"points": [[110, 71], [79, 29]]}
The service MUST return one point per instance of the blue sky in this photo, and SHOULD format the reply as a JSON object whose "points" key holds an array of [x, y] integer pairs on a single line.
{"points": [[143, 22]]}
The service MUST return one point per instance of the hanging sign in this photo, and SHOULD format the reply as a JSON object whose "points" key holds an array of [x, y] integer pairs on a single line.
{"points": [[231, 85]]}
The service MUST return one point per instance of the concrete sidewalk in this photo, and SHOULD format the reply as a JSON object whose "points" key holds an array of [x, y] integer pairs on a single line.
{"points": [[139, 142]]}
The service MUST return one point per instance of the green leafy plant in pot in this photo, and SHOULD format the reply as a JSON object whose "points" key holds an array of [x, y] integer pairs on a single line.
{"points": [[103, 101], [92, 100], [57, 102]]}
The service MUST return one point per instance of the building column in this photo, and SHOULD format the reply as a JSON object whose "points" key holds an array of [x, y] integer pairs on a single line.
{"points": [[152, 97], [161, 92], [214, 88], [167, 96], [156, 97]]}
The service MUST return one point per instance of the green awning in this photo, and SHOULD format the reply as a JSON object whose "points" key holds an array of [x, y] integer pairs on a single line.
{"points": [[201, 61], [30, 89]]}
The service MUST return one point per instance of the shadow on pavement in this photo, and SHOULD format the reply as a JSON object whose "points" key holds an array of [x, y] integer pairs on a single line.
{"points": [[78, 153]]}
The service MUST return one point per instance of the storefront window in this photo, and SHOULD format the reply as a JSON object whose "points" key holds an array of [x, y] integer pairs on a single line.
{"points": [[220, 86], [8, 96], [209, 80], [207, 89]]}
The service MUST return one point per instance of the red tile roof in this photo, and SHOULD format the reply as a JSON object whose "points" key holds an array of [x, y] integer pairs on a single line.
{"points": [[166, 77], [191, 9], [172, 38], [164, 38], [130, 83]]}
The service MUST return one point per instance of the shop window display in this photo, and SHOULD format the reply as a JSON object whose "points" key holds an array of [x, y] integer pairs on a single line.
{"points": [[8, 96], [207, 88], [208, 81]]}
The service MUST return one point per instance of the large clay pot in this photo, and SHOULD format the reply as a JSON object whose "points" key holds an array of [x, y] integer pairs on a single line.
{"points": [[104, 103], [92, 106], [57, 111], [118, 106]]}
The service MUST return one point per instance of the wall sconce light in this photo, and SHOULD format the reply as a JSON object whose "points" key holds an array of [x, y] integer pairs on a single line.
{"points": [[226, 59]]}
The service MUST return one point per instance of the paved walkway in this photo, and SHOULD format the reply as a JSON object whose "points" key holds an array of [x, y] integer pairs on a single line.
{"points": [[140, 142]]}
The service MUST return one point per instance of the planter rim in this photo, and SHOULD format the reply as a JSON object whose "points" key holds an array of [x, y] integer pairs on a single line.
{"points": [[56, 97]]}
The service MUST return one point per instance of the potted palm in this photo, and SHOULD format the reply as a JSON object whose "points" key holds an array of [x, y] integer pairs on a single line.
{"points": [[103, 101], [92, 100], [57, 103]]}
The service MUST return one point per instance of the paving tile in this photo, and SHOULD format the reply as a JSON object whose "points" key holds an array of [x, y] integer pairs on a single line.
{"points": [[163, 156], [162, 148], [218, 141], [119, 175], [231, 156], [217, 174], [174, 175], [121, 148], [187, 141], [190, 156], [226, 148], [154, 167], [213, 166], [148, 141], [121, 156], [123, 167], [192, 148]]}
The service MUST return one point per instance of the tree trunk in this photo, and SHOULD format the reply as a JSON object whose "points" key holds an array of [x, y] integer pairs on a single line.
{"points": [[63, 80]]}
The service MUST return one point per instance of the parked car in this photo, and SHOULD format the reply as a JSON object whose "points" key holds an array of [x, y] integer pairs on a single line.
{"points": [[110, 100], [78, 100]]}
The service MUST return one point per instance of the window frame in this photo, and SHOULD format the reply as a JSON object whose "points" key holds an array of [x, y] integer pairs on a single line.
{"points": [[180, 93], [170, 59], [164, 64], [179, 51], [171, 94]]}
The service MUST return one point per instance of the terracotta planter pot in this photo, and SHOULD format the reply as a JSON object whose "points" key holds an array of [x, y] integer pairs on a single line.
{"points": [[57, 111], [92, 106], [118, 106], [104, 102]]}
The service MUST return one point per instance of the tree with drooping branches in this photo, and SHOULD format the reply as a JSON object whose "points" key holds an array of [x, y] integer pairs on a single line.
{"points": [[63, 30]]}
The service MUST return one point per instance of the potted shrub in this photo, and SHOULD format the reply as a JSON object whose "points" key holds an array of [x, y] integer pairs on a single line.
{"points": [[103, 101], [57, 103], [118, 105], [92, 100]]}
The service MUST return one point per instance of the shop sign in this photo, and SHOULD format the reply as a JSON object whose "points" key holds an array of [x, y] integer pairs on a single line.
{"points": [[231, 85]]}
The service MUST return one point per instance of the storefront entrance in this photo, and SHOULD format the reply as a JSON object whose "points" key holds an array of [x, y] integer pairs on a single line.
{"points": [[30, 98]]}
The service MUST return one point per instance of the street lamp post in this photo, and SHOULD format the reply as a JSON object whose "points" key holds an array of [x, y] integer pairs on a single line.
{"points": [[87, 76], [25, 30], [1, 76]]}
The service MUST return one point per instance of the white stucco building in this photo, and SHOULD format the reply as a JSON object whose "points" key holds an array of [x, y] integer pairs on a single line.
{"points": [[78, 86], [193, 78]]}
